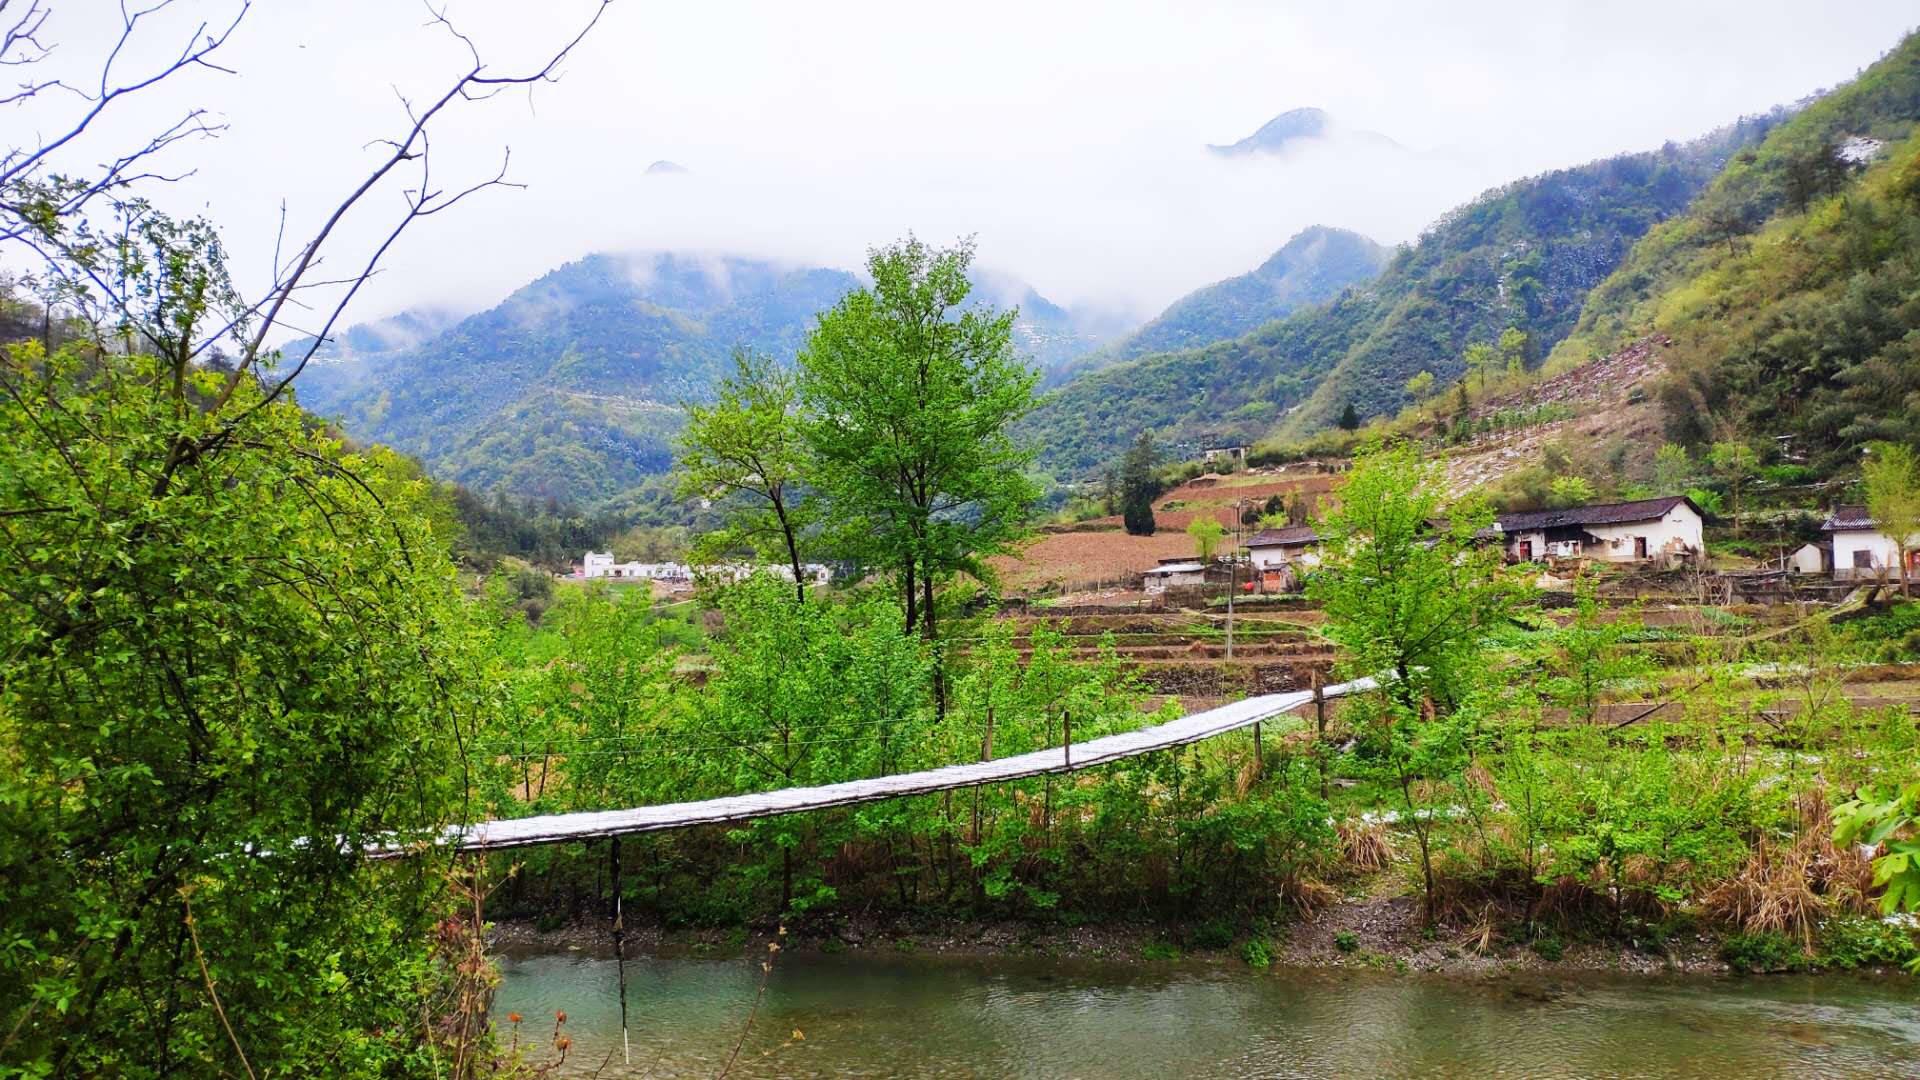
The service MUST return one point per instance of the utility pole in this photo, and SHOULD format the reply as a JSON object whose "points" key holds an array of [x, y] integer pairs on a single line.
{"points": [[1233, 567]]}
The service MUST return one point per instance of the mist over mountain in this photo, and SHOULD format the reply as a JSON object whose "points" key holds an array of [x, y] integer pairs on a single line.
{"points": [[572, 387], [1289, 128]]}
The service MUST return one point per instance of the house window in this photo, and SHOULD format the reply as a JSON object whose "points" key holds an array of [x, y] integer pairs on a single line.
{"points": [[1862, 559]]}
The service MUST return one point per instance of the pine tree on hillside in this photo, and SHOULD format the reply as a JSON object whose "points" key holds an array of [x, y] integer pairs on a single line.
{"points": [[1137, 487], [1349, 418]]}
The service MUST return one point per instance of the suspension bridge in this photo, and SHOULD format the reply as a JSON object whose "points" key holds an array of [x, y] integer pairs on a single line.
{"points": [[1070, 757]]}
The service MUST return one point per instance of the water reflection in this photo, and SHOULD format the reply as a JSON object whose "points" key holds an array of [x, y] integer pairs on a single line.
{"points": [[898, 1015]]}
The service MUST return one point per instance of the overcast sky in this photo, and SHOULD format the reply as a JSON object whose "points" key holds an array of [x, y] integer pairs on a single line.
{"points": [[1070, 137]]}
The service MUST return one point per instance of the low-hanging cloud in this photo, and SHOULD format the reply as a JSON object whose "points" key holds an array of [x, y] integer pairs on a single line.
{"points": [[1070, 139]]}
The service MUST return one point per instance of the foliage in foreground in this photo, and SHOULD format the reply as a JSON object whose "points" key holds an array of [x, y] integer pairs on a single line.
{"points": [[235, 655]]}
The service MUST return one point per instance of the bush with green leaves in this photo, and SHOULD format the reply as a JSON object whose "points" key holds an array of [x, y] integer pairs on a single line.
{"points": [[236, 657]]}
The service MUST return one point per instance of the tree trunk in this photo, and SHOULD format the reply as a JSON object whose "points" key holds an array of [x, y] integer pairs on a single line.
{"points": [[933, 642], [793, 549]]}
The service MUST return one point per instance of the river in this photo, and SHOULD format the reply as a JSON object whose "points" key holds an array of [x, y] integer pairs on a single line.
{"points": [[926, 1016]]}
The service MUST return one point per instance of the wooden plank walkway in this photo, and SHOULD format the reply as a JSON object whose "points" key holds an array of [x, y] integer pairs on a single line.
{"points": [[560, 828]]}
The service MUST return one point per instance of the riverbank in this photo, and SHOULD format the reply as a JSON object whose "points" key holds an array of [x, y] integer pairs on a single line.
{"points": [[1373, 932]]}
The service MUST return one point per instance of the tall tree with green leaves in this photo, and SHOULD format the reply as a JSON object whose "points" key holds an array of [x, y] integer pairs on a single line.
{"points": [[1481, 358], [908, 393], [1137, 487], [1733, 461], [1206, 533], [1410, 596], [1516, 350], [750, 441], [1349, 418], [1672, 468], [1891, 477]]}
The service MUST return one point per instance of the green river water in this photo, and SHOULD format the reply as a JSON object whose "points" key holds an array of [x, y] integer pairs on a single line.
{"points": [[926, 1016]]}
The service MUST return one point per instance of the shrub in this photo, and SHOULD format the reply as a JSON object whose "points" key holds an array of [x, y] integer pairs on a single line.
{"points": [[1213, 934], [1854, 942], [1346, 941], [1257, 953], [1764, 951], [1549, 948], [1159, 950]]}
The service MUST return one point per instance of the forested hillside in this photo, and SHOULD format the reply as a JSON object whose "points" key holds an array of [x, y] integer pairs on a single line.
{"points": [[1311, 268], [1790, 288], [571, 388], [1521, 256]]}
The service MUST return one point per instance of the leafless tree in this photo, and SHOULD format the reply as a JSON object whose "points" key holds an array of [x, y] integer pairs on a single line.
{"points": [[73, 222]]}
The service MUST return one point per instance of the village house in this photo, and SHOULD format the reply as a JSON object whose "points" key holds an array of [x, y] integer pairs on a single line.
{"points": [[1227, 455], [1861, 550], [600, 564], [1174, 573], [1280, 557], [1666, 530]]}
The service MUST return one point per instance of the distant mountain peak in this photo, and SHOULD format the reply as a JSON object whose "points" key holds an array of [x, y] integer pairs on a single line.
{"points": [[665, 167], [1291, 126]]}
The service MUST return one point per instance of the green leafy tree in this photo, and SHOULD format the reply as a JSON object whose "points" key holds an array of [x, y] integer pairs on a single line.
{"points": [[749, 441], [1137, 487], [1410, 596], [1672, 468], [1710, 502], [1571, 491], [908, 393], [806, 694], [230, 669], [1420, 386], [1206, 533], [1588, 655], [1349, 418], [1733, 461], [1891, 477], [1516, 350], [1481, 358]]}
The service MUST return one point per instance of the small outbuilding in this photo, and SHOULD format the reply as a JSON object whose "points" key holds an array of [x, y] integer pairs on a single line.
{"points": [[1810, 559], [1175, 573]]}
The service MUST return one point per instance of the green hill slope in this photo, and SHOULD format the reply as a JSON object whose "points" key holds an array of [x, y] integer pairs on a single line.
{"points": [[1792, 288], [1524, 255], [1312, 268], [571, 387]]}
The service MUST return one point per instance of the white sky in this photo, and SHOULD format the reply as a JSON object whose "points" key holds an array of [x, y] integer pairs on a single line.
{"points": [[1069, 136]]}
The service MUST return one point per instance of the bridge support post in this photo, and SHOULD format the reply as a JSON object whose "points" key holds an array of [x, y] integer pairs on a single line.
{"points": [[1066, 738], [1259, 751], [619, 936], [1320, 730]]}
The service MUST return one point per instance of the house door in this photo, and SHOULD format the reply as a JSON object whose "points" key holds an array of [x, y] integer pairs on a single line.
{"points": [[1526, 551], [1639, 547]]}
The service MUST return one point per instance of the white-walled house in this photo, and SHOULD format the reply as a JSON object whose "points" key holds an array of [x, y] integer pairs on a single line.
{"points": [[600, 564], [1861, 550], [1280, 556], [1666, 530]]}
